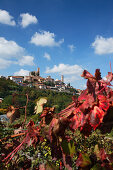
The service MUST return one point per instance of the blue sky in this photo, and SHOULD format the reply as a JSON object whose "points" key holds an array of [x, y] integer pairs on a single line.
{"points": [[59, 36]]}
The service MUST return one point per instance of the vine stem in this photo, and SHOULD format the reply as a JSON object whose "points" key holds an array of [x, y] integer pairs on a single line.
{"points": [[12, 136], [26, 108], [11, 155]]}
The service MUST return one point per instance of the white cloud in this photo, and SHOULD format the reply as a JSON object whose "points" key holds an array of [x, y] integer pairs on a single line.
{"points": [[27, 19], [9, 48], [26, 60], [45, 38], [71, 79], [71, 47], [65, 69], [71, 72], [103, 45], [12, 53], [47, 56], [4, 63], [21, 72], [6, 18]]}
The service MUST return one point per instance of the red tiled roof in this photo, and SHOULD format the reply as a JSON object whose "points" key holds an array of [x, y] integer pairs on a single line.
{"points": [[17, 76]]}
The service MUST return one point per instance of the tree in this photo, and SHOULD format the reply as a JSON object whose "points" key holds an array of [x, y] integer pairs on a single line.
{"points": [[49, 83], [33, 73]]}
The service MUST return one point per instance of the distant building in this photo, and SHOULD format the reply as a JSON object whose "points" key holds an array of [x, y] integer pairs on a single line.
{"points": [[40, 85], [28, 78], [17, 79], [34, 79], [58, 82], [38, 71], [22, 84], [49, 79], [35, 73]]}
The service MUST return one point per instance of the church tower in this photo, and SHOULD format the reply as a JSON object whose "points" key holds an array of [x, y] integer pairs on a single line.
{"points": [[38, 71]]}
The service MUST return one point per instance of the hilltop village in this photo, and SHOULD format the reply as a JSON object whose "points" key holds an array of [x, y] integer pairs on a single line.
{"points": [[35, 80]]}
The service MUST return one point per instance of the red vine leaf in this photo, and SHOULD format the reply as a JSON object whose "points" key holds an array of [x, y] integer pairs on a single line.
{"points": [[54, 127], [87, 75], [96, 117], [77, 120], [103, 102]]}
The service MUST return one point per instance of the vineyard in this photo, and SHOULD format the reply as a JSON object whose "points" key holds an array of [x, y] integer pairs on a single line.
{"points": [[78, 137]]}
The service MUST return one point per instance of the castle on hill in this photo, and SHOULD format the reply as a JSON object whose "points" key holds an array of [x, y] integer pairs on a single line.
{"points": [[34, 79]]}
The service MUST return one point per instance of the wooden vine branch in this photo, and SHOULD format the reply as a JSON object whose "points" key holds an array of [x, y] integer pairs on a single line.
{"points": [[26, 108], [22, 106], [12, 136]]}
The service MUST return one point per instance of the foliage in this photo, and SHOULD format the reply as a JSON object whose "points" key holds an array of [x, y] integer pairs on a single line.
{"points": [[60, 100], [7, 87], [72, 138], [49, 83]]}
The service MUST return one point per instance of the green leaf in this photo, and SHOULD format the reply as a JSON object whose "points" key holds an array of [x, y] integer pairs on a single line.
{"points": [[65, 147], [68, 147], [71, 148], [96, 151]]}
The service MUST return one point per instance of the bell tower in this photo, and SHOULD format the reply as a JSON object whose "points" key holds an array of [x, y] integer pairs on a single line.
{"points": [[38, 71]]}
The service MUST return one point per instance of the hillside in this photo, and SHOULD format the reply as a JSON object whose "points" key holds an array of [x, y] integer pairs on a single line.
{"points": [[8, 87]]}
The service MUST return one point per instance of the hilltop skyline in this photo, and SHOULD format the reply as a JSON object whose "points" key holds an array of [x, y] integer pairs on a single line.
{"points": [[62, 37]]}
